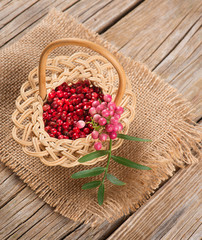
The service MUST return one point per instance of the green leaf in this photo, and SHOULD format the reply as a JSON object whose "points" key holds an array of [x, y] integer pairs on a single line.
{"points": [[90, 185], [114, 180], [88, 173], [127, 137], [93, 155], [100, 195], [126, 162]]}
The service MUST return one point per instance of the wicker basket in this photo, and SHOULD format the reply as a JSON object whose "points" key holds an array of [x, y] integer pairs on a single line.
{"points": [[100, 69]]}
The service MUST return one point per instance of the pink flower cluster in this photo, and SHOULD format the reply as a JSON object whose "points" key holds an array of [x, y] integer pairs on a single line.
{"points": [[106, 115]]}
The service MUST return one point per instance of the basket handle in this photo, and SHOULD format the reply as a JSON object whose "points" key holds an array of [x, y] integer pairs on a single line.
{"points": [[83, 43]]}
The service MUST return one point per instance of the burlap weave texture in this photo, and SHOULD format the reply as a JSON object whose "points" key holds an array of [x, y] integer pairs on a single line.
{"points": [[161, 115]]}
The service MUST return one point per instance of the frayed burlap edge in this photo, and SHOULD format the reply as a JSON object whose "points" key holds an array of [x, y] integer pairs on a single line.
{"points": [[178, 148]]}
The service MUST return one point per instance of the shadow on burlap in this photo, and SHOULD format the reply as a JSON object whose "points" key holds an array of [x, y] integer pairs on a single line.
{"points": [[161, 115]]}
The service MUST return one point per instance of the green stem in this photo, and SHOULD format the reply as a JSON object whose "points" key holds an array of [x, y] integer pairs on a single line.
{"points": [[109, 158]]}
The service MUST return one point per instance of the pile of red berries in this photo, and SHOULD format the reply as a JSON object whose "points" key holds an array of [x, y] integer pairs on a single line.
{"points": [[66, 106]]}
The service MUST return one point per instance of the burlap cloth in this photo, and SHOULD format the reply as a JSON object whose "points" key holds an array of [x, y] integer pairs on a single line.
{"points": [[161, 115]]}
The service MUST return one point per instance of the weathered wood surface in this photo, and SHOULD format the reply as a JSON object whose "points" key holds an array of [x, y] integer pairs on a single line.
{"points": [[169, 211], [164, 34]]}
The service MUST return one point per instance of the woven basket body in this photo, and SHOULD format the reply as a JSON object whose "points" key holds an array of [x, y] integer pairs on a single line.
{"points": [[28, 116]]}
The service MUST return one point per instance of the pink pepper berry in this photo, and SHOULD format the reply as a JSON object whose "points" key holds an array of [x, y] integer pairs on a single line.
{"points": [[119, 110], [120, 126], [107, 98], [80, 124], [111, 112], [96, 117], [117, 116], [98, 146], [113, 135], [92, 111], [104, 104], [116, 127], [99, 108], [102, 121], [114, 120], [105, 113], [111, 106], [95, 134], [103, 137], [95, 104], [109, 127]]}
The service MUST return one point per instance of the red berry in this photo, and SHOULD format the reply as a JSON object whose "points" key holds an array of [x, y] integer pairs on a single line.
{"points": [[59, 109], [51, 94], [59, 122], [54, 105], [65, 137], [79, 89], [74, 101], [88, 95], [86, 82], [59, 128], [65, 107], [60, 137], [76, 130], [63, 116], [65, 95], [75, 136], [69, 121], [67, 89], [51, 111], [59, 88], [65, 125], [71, 108], [58, 115], [94, 95], [88, 118], [60, 94], [86, 130], [72, 90], [81, 95], [53, 131], [46, 107], [79, 112], [47, 128], [75, 118], [82, 135], [85, 90], [70, 114]]}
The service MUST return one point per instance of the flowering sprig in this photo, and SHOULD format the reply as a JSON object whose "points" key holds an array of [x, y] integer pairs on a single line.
{"points": [[105, 121]]}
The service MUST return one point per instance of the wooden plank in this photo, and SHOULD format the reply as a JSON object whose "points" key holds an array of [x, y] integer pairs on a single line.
{"points": [[44, 224], [12, 10], [32, 14], [168, 211], [5, 173], [197, 234], [8, 188], [84, 10], [173, 51], [101, 19], [85, 232], [4, 4]]}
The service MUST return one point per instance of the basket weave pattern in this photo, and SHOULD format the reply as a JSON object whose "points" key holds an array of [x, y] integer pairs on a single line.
{"points": [[29, 126]]}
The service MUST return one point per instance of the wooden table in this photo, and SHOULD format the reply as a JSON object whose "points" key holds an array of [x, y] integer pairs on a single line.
{"points": [[166, 36]]}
